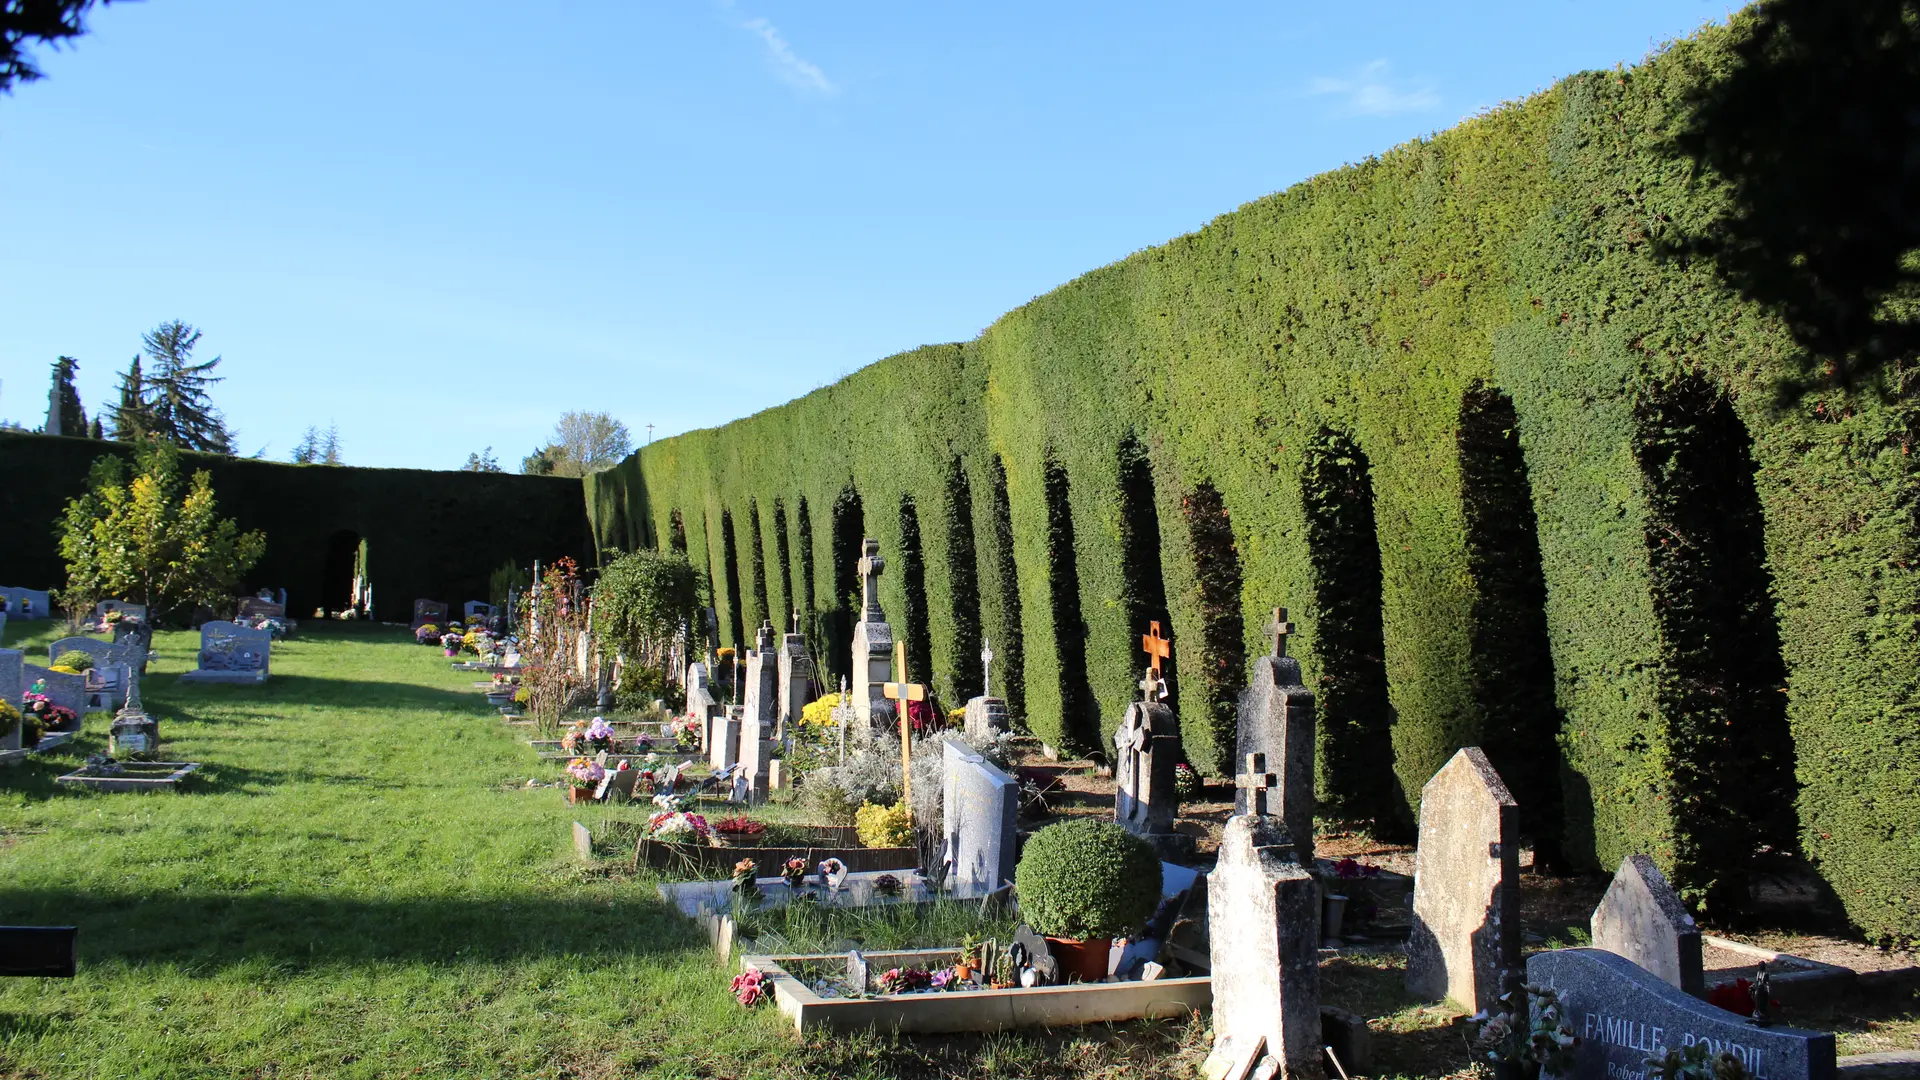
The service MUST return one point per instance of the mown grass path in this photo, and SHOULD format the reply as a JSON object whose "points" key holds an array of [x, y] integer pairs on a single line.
{"points": [[357, 885]]}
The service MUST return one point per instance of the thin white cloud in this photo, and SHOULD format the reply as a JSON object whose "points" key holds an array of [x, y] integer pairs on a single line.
{"points": [[792, 68], [1370, 91]]}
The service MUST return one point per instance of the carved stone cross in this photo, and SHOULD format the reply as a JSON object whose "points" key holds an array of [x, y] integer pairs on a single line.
{"points": [[1156, 647], [986, 666], [871, 564], [1258, 781], [765, 636], [796, 620], [1279, 629]]}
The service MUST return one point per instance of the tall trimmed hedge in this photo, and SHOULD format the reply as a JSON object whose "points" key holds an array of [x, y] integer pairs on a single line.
{"points": [[427, 535], [1372, 316]]}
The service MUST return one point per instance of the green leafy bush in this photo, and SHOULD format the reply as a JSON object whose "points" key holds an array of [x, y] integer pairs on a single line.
{"points": [[883, 826], [75, 662], [1087, 879]]}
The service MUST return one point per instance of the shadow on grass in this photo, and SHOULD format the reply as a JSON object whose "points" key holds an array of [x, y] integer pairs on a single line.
{"points": [[209, 932], [316, 691]]}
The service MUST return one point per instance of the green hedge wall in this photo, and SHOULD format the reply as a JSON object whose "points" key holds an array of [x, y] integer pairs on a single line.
{"points": [[429, 535], [1389, 315]]}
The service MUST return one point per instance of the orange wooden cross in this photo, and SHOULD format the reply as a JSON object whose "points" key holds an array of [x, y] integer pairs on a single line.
{"points": [[1157, 648], [903, 692]]}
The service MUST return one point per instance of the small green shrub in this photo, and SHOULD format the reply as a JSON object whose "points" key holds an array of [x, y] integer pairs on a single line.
{"points": [[75, 662], [829, 804], [1087, 880]]}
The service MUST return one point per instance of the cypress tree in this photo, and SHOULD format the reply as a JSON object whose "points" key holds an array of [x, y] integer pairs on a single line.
{"points": [[72, 419]]}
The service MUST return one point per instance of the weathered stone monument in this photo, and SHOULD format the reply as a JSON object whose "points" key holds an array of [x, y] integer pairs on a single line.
{"points": [[796, 676], [1264, 910], [1277, 721], [1643, 919], [872, 646], [980, 804], [986, 715], [1624, 1014], [700, 699], [1146, 750], [1466, 891], [760, 715]]}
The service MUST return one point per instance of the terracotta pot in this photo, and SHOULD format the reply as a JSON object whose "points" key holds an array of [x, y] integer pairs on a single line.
{"points": [[1085, 959], [963, 971], [575, 794]]}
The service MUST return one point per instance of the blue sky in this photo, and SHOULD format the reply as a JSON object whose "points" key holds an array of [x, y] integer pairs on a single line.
{"points": [[441, 224]]}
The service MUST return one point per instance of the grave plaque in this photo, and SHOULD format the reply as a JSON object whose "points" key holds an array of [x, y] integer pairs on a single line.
{"points": [[1624, 1014], [1277, 721], [980, 804], [1466, 901], [1264, 948], [1643, 919]]}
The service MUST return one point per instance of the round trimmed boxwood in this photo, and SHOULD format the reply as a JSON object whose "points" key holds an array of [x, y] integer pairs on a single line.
{"points": [[1087, 880]]}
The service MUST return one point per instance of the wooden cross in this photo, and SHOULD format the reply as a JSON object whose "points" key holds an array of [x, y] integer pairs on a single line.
{"points": [[903, 692], [1157, 648], [1257, 781], [1279, 629]]}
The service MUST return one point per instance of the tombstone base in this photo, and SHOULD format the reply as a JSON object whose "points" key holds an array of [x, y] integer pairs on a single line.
{"points": [[235, 678]]}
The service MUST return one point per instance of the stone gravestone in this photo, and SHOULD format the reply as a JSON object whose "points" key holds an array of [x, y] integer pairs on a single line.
{"points": [[66, 691], [796, 676], [700, 699], [1624, 1014], [980, 804], [872, 649], [1146, 752], [1277, 722], [723, 741], [12, 686], [429, 611], [106, 681], [986, 715], [28, 603], [761, 712], [1264, 911], [1643, 919], [230, 653], [1466, 887]]}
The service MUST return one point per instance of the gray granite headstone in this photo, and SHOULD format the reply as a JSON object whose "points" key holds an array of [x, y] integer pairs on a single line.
{"points": [[1147, 749], [872, 647], [1643, 919], [796, 676], [230, 653], [1277, 720], [1264, 913], [857, 972], [981, 805], [986, 719], [12, 685], [1623, 1014], [723, 739], [28, 603], [1466, 900]]}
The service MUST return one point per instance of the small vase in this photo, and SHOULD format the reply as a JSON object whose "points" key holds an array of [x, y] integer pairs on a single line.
{"points": [[1333, 913]]}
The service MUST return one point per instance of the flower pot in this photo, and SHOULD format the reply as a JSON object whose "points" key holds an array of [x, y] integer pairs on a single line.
{"points": [[1086, 959], [963, 971], [577, 795]]}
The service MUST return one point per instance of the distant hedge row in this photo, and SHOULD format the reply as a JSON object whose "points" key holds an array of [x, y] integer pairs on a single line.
{"points": [[429, 535], [1521, 482]]}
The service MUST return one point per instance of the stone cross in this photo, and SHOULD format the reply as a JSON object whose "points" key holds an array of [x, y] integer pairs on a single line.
{"points": [[1256, 781], [901, 693], [796, 620], [1465, 943], [1156, 647], [986, 667], [1280, 629], [871, 564], [1147, 748]]}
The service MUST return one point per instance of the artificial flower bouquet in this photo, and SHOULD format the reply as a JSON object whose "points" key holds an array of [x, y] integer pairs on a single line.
{"points": [[427, 634], [585, 774], [678, 827]]}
